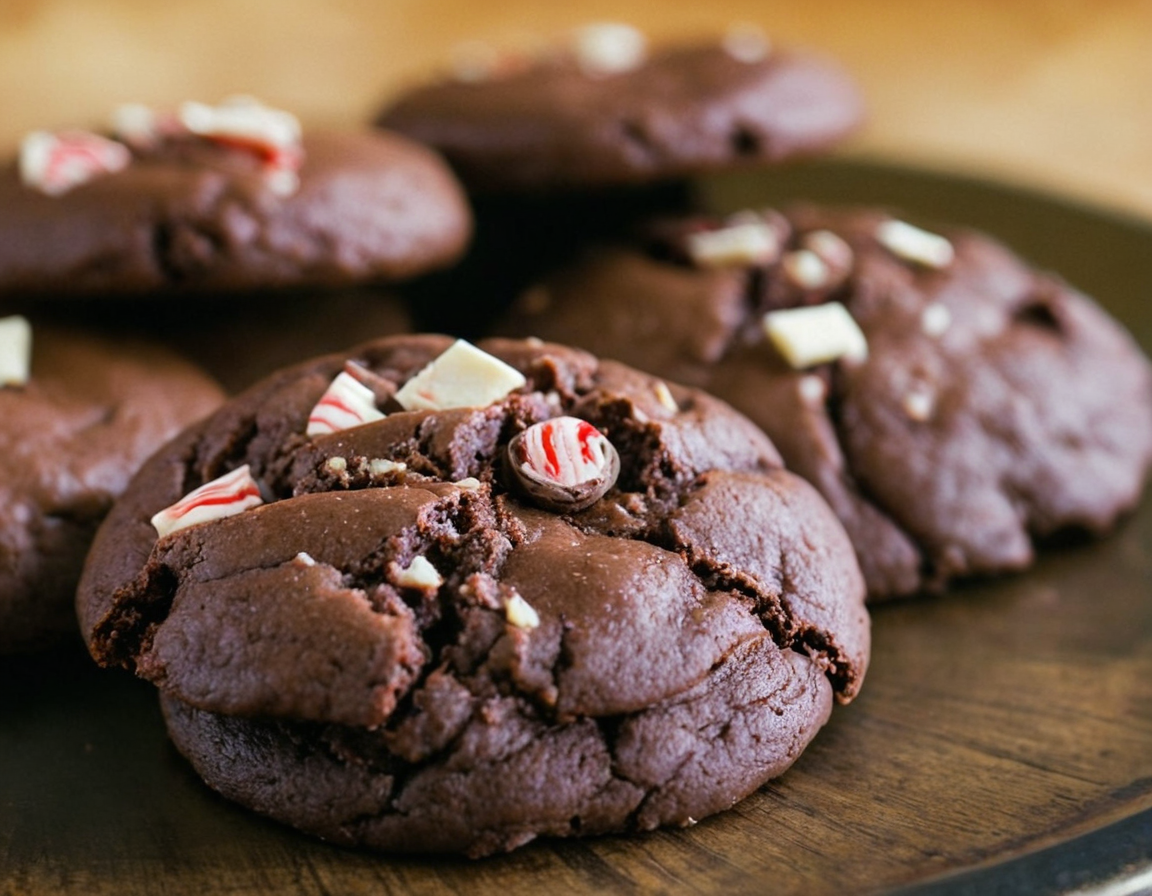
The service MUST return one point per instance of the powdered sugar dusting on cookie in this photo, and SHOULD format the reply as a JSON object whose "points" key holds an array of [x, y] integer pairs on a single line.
{"points": [[227, 496], [346, 403]]}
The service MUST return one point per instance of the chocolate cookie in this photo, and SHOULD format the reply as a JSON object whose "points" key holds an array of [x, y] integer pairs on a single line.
{"points": [[950, 403], [221, 198], [424, 597], [71, 434], [606, 111]]}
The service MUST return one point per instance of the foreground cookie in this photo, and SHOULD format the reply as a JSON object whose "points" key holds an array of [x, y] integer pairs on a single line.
{"points": [[950, 403], [605, 110], [73, 428], [221, 198], [424, 597]]}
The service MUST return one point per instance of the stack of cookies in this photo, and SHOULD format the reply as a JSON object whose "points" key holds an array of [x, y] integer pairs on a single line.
{"points": [[427, 595]]}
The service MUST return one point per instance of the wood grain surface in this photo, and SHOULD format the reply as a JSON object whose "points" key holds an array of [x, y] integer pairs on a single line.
{"points": [[1045, 92], [998, 719]]}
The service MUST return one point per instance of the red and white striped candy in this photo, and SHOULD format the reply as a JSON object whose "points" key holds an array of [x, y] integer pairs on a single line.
{"points": [[347, 403], [564, 464], [229, 495], [55, 163]]}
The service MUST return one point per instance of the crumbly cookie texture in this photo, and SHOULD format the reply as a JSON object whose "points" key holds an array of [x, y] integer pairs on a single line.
{"points": [[405, 648], [607, 110], [967, 406]]}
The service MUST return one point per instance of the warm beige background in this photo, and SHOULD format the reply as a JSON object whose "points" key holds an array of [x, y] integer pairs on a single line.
{"points": [[1054, 94]]}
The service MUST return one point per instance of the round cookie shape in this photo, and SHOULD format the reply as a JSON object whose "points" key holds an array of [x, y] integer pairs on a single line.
{"points": [[682, 111], [71, 437], [198, 216], [995, 404], [382, 641]]}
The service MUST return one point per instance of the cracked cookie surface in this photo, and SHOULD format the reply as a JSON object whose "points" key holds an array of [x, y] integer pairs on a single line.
{"points": [[400, 650], [996, 405], [70, 439], [683, 111], [370, 206]]}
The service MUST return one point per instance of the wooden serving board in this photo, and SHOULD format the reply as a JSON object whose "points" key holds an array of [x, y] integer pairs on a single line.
{"points": [[1003, 718]]}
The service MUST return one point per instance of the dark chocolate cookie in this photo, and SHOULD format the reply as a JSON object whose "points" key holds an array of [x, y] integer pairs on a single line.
{"points": [[239, 205], [71, 435], [605, 111], [949, 402], [492, 595]]}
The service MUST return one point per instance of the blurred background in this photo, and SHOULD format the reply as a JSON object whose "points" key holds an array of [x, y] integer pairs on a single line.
{"points": [[1055, 94]]}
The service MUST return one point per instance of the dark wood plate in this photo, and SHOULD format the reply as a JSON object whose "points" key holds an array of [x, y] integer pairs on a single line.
{"points": [[1002, 743]]}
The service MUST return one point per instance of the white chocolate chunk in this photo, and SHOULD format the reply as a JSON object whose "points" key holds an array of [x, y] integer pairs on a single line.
{"points": [[913, 244], [664, 396], [815, 335], [812, 390], [806, 269], [746, 42], [462, 377], [833, 250], [749, 242], [242, 118], [136, 124], [15, 351], [419, 574], [470, 484], [379, 466], [346, 403], [227, 496], [919, 404], [337, 464], [608, 48], [304, 559], [935, 319], [521, 613]]}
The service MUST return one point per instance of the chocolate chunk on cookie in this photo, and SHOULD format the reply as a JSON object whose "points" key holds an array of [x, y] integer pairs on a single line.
{"points": [[226, 198], [606, 110], [428, 596], [78, 416], [950, 403]]}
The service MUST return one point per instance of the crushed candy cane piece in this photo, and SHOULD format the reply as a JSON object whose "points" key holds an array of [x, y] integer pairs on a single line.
{"points": [[915, 245], [935, 319], [521, 613], [346, 403], [746, 42], [227, 496], [462, 377], [15, 350], [805, 269], [56, 163], [563, 464], [748, 242], [608, 48], [419, 574], [815, 335]]}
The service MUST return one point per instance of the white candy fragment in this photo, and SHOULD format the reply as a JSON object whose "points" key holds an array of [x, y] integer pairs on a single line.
{"points": [[815, 335], [229, 495], [563, 464], [462, 377], [805, 269], [379, 466], [15, 351], [346, 403], [915, 245], [521, 613], [247, 123], [337, 464], [419, 574], [746, 42], [812, 389], [304, 559], [470, 484], [919, 404], [833, 250], [935, 319], [664, 396], [608, 48], [136, 124], [56, 163], [750, 242]]}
